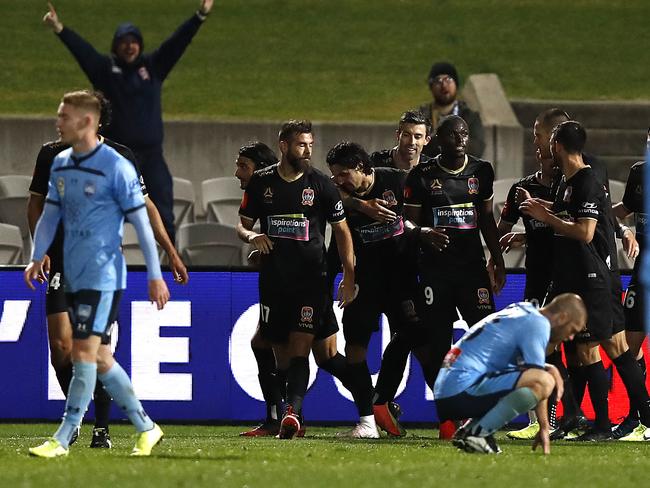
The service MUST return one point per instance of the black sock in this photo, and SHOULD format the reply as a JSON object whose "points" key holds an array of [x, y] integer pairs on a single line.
{"points": [[337, 367], [102, 402], [268, 382], [642, 366], [598, 385], [393, 364], [578, 382], [632, 377], [281, 381], [297, 380], [361, 387], [64, 375], [568, 398]]}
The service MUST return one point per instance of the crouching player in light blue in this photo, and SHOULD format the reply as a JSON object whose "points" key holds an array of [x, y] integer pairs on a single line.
{"points": [[497, 370], [92, 189]]}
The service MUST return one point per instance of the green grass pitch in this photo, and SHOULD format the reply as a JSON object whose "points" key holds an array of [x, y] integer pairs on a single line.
{"points": [[192, 456]]}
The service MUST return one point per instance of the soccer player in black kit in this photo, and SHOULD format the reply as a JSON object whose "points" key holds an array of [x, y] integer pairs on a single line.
{"points": [[449, 200], [583, 263], [384, 284], [56, 308], [293, 202]]}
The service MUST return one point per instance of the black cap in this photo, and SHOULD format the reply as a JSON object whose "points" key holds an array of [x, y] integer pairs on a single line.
{"points": [[124, 30], [443, 68]]}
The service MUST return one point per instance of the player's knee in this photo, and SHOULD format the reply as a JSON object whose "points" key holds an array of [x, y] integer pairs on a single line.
{"points": [[545, 385], [60, 352]]}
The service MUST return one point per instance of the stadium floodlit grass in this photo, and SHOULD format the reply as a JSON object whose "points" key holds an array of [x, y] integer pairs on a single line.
{"points": [[215, 456], [339, 59]]}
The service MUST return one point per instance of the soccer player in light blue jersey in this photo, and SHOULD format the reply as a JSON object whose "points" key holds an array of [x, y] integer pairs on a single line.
{"points": [[497, 371], [92, 189]]}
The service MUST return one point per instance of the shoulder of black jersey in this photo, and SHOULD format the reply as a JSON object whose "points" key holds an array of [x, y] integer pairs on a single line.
{"points": [[121, 149], [51, 149], [637, 166], [381, 158], [424, 158], [266, 172]]}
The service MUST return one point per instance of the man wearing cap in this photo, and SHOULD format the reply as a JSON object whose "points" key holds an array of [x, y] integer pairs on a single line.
{"points": [[132, 81], [444, 82]]}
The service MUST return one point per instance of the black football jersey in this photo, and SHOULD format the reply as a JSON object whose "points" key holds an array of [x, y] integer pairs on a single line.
{"points": [[539, 236], [293, 215], [384, 158], [633, 201], [578, 265], [452, 200]]}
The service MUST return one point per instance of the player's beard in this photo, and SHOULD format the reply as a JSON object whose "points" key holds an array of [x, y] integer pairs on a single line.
{"points": [[299, 164]]}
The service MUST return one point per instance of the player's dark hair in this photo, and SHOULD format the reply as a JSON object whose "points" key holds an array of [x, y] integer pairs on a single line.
{"points": [[449, 121], [258, 152], [571, 135], [106, 110], [293, 128], [349, 155], [552, 117], [414, 117]]}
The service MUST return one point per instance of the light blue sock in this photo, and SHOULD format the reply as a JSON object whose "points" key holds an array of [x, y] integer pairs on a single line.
{"points": [[82, 385], [514, 403], [118, 385]]}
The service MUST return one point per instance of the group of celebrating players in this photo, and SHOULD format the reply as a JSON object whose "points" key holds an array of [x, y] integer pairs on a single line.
{"points": [[406, 234]]}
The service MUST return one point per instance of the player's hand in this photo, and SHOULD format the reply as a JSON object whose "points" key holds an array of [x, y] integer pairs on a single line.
{"points": [[512, 240], [497, 276], [206, 6], [521, 194], [347, 291], [178, 269], [51, 19], [262, 243], [534, 209], [542, 439], [436, 238], [45, 269], [630, 244], [32, 272], [158, 292], [377, 209]]}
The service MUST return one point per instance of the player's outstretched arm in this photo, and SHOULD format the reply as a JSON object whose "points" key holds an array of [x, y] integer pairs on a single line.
{"points": [[51, 19], [160, 233]]}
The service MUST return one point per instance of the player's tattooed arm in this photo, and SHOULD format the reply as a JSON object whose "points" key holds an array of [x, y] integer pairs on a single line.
{"points": [[160, 233], [377, 209], [259, 241]]}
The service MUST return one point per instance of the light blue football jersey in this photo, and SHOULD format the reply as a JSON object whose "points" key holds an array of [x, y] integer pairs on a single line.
{"points": [[95, 192], [503, 341]]}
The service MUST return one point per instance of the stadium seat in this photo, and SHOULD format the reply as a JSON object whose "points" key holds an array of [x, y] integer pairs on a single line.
{"points": [[616, 190], [11, 245], [210, 244], [184, 200], [221, 198], [14, 193], [500, 190]]}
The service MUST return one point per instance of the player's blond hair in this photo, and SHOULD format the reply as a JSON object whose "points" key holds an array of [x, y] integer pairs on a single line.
{"points": [[570, 303], [84, 100]]}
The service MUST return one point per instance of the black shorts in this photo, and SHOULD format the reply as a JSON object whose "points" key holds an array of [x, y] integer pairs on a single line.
{"points": [[598, 302], [93, 312], [298, 310], [442, 293], [55, 301], [376, 294], [635, 305], [329, 324], [536, 290]]}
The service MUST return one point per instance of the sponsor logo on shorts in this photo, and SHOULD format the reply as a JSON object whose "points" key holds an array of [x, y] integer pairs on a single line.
{"points": [[292, 226], [472, 185], [306, 314], [389, 197], [84, 311], [308, 197], [483, 296]]}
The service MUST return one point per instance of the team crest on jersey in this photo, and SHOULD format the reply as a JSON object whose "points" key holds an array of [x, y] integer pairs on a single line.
{"points": [[268, 195], [308, 197], [89, 188], [483, 296], [60, 186], [567, 193], [306, 315], [144, 74], [472, 185], [389, 197]]}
